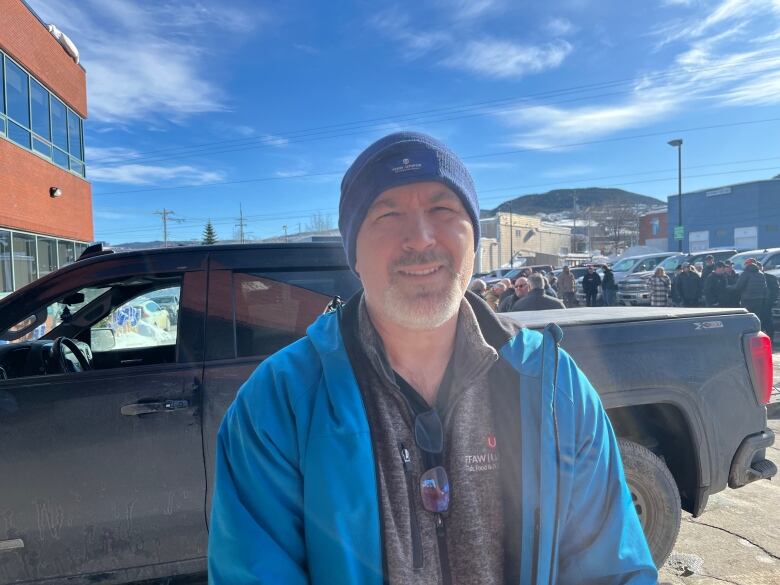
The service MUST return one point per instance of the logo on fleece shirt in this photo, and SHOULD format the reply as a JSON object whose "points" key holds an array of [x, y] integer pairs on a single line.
{"points": [[485, 461]]}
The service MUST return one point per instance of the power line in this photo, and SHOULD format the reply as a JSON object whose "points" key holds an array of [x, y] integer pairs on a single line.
{"points": [[469, 157], [370, 124]]}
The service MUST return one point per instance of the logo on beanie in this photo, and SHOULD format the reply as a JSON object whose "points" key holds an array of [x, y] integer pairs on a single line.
{"points": [[406, 166]]}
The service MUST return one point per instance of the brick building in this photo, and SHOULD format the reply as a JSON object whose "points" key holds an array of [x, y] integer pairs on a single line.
{"points": [[653, 229], [45, 200]]}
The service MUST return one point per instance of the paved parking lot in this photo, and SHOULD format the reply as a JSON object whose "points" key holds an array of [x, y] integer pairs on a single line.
{"points": [[737, 539]]}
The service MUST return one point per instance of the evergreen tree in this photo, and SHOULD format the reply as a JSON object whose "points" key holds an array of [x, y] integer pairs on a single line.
{"points": [[209, 234]]}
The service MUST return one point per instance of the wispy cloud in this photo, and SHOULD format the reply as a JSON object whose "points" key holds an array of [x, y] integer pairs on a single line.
{"points": [[504, 59], [569, 171], [272, 140], [721, 67], [469, 9], [146, 61], [111, 215], [140, 174], [397, 26], [559, 27]]}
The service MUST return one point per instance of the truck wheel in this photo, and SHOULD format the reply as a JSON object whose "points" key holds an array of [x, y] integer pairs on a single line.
{"points": [[655, 496]]}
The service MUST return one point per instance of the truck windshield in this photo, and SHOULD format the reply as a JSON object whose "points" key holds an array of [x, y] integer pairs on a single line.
{"points": [[624, 265], [672, 262]]}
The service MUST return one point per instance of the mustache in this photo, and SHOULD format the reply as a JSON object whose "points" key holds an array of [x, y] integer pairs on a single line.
{"points": [[427, 257]]}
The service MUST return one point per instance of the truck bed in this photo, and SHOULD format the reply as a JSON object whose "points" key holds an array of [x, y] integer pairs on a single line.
{"points": [[595, 315]]}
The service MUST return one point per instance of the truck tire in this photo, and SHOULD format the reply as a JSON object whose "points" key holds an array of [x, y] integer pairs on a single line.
{"points": [[655, 496]]}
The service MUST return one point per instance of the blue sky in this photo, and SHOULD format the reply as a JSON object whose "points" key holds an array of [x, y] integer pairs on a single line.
{"points": [[200, 107]]}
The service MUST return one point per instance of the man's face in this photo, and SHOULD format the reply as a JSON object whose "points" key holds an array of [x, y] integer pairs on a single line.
{"points": [[590, 269], [719, 270], [686, 268], [521, 286], [710, 261], [415, 252]]}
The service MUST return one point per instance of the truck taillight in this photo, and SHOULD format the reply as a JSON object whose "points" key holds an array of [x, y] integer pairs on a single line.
{"points": [[760, 349]]}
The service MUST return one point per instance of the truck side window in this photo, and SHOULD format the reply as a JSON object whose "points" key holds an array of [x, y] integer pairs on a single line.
{"points": [[274, 309], [148, 320]]}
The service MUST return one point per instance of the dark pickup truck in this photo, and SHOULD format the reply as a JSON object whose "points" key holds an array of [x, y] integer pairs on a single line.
{"points": [[108, 415]]}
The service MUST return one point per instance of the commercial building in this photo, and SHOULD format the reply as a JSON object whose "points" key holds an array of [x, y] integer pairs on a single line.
{"points": [[744, 216], [653, 230], [45, 199], [520, 239]]}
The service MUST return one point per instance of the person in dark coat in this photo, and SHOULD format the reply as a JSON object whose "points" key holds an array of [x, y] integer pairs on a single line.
{"points": [[751, 286], [730, 297], [715, 286], [772, 292], [608, 286], [520, 290], [676, 298], [709, 267], [590, 286], [536, 299], [689, 286]]}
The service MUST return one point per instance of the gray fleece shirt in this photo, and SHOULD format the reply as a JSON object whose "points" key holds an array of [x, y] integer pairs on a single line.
{"points": [[467, 540]]}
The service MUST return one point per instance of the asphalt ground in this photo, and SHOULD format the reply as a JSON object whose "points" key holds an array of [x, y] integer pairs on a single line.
{"points": [[737, 539]]}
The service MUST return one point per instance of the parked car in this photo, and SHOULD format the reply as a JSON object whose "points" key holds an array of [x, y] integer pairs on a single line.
{"points": [[769, 258], [107, 450], [168, 300], [153, 313]]}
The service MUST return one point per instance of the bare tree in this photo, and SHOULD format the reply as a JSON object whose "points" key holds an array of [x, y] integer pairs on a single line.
{"points": [[619, 225], [319, 222]]}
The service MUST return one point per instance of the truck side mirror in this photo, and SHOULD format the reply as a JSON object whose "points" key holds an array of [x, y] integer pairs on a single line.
{"points": [[103, 339], [73, 299]]}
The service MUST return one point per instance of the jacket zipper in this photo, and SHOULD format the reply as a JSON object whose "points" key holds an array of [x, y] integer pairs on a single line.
{"points": [[417, 552], [444, 556]]}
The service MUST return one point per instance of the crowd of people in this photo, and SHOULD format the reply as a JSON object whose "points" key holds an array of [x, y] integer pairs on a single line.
{"points": [[715, 285]]}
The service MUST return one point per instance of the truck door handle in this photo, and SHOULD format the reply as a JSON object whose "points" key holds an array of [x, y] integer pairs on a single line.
{"points": [[153, 407]]}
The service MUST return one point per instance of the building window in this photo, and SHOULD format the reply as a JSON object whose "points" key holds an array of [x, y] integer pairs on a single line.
{"points": [[66, 252], [6, 275], [25, 261], [47, 256], [18, 91], [746, 238], [40, 110], [52, 121], [698, 241]]}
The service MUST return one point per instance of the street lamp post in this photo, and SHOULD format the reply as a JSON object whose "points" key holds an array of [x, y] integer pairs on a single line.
{"points": [[677, 143], [511, 237]]}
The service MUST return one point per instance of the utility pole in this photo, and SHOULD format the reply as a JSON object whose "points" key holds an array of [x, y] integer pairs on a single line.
{"points": [[284, 227], [574, 225], [241, 223], [677, 143], [164, 214], [511, 237]]}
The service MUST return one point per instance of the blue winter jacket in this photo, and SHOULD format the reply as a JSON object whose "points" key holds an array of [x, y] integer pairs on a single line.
{"points": [[296, 495]]}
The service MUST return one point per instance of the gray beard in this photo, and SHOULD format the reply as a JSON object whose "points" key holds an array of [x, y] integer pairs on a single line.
{"points": [[422, 309]]}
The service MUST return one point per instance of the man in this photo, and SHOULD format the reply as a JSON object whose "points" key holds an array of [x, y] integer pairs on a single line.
{"points": [[478, 287], [567, 287], [520, 289], [772, 292], [715, 286], [590, 286], [730, 296], [608, 286], [751, 286], [336, 462], [689, 286], [709, 267], [676, 299], [537, 299]]}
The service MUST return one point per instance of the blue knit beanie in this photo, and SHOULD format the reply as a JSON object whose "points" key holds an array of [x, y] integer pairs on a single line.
{"points": [[399, 159]]}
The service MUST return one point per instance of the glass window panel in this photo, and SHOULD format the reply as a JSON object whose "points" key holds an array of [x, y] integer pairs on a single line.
{"points": [[18, 134], [40, 109], [6, 284], [59, 124], [47, 256], [25, 261], [80, 249], [2, 119], [2, 93], [41, 146], [76, 166], [66, 253], [274, 310], [18, 92], [74, 134], [60, 158]]}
